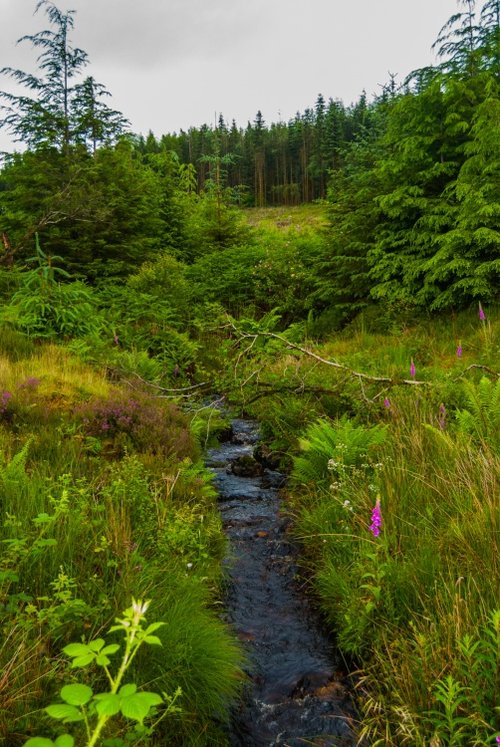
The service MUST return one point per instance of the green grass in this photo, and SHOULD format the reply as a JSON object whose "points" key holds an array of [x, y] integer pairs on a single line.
{"points": [[416, 609], [283, 220], [92, 518]]}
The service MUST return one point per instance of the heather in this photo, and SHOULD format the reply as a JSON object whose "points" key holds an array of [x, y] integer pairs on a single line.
{"points": [[336, 278]]}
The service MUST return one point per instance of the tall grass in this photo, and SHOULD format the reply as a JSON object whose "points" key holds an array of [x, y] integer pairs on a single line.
{"points": [[415, 608], [92, 516]]}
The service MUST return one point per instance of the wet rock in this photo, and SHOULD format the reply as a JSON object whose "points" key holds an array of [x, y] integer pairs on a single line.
{"points": [[246, 466], [272, 479], [266, 457], [225, 435]]}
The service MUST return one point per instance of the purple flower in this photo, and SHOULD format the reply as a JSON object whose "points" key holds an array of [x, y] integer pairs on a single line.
{"points": [[413, 370], [387, 402], [482, 315], [31, 383], [376, 519], [4, 401], [459, 350]]}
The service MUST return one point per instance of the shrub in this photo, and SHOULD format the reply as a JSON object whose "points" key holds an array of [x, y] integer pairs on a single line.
{"points": [[142, 422], [56, 310]]}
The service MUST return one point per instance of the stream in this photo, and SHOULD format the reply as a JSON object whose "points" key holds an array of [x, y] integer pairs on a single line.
{"points": [[296, 694]]}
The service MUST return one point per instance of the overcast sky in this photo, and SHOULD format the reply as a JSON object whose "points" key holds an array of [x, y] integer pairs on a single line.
{"points": [[173, 64]]}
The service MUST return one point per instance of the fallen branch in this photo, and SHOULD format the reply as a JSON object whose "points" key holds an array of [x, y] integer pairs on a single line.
{"points": [[272, 389], [340, 366], [478, 365]]}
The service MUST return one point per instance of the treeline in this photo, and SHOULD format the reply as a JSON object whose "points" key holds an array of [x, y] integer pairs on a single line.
{"points": [[410, 180], [285, 163]]}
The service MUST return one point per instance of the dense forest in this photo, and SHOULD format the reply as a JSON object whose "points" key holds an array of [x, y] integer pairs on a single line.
{"points": [[336, 277]]}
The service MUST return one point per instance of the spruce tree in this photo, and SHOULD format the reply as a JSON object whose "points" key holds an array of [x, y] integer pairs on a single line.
{"points": [[44, 118], [58, 111]]}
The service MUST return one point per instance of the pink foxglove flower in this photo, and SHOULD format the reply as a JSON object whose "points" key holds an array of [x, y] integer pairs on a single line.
{"points": [[413, 370], [387, 402], [482, 315], [459, 350], [376, 519]]}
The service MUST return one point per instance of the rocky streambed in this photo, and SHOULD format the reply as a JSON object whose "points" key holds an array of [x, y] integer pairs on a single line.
{"points": [[296, 693]]}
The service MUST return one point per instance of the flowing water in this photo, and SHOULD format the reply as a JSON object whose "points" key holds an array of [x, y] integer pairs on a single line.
{"points": [[296, 694]]}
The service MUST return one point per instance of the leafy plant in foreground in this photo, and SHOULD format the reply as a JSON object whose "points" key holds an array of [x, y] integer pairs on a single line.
{"points": [[81, 704]]}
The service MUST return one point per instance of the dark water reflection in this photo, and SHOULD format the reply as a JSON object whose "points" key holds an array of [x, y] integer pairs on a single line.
{"points": [[297, 695]]}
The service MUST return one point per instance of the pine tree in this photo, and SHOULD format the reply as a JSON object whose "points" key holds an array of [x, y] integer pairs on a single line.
{"points": [[44, 119], [58, 112], [93, 122], [459, 40]]}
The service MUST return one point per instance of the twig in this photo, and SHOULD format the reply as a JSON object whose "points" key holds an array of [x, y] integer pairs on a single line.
{"points": [[478, 365]]}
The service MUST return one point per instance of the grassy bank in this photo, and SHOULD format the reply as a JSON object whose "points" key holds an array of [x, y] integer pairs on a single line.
{"points": [[395, 495], [104, 499]]}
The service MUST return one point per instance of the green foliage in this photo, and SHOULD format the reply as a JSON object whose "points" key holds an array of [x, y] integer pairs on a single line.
{"points": [[164, 279], [60, 113], [80, 703], [481, 415], [332, 447], [145, 329], [103, 214], [55, 311], [44, 307]]}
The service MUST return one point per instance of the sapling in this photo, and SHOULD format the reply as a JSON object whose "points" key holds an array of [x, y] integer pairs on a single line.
{"points": [[81, 704]]}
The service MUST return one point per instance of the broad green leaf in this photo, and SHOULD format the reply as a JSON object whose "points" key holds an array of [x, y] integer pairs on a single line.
{"points": [[76, 649], [76, 694], [63, 712], [153, 699], [97, 644], [102, 660], [65, 740], [82, 661], [45, 543], [135, 707], [39, 742], [112, 649], [9, 576], [108, 704], [154, 627], [153, 640], [127, 690]]}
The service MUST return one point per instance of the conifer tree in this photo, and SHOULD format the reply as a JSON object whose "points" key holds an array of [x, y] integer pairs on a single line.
{"points": [[58, 111]]}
